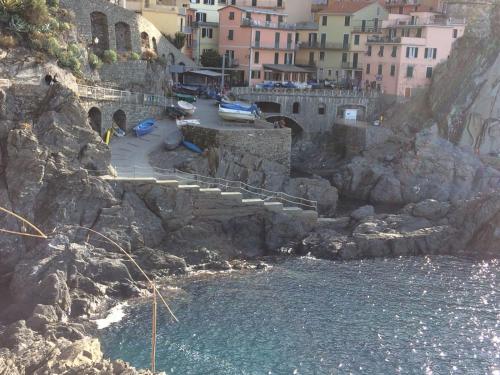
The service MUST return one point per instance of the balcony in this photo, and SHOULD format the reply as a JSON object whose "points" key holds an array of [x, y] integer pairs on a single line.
{"points": [[246, 22], [273, 46], [379, 39], [352, 66], [435, 21], [199, 24], [326, 46]]}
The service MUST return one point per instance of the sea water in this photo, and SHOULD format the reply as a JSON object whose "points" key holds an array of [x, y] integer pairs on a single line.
{"points": [[304, 316]]}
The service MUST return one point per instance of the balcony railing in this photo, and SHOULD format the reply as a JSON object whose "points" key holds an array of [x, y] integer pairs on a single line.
{"points": [[351, 65], [383, 39], [280, 46], [319, 45], [270, 25], [438, 21]]}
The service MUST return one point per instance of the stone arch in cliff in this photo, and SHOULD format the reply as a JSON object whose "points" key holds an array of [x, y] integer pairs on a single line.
{"points": [[120, 119], [145, 40], [269, 107], [155, 45], [171, 59], [123, 37], [100, 34], [297, 129], [95, 119]]}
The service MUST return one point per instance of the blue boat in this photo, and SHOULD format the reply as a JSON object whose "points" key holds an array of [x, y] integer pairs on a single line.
{"points": [[238, 106], [144, 127], [192, 147]]}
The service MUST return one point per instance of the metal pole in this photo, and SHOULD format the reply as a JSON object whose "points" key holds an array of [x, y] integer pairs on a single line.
{"points": [[223, 69], [153, 332]]}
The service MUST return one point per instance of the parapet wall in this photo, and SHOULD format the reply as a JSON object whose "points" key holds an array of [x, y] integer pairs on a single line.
{"points": [[270, 144]]}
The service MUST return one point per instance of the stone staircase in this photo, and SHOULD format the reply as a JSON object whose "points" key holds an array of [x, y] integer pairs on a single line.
{"points": [[213, 202]]}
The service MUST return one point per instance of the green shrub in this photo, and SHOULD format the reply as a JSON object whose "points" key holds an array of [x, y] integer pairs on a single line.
{"points": [[36, 12], [94, 61], [53, 3], [52, 47], [64, 26], [135, 56], [74, 50], [109, 56], [67, 60]]}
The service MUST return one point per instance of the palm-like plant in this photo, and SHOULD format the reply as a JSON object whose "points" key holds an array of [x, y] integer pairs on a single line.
{"points": [[10, 6]]}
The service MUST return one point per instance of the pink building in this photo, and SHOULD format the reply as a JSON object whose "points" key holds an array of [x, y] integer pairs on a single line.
{"points": [[260, 45], [402, 59]]}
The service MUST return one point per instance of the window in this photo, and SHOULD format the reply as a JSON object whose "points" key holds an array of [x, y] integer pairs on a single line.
{"points": [[277, 58], [455, 33], [381, 51], [201, 17], [393, 70], [409, 71], [230, 54], [322, 56], [230, 35], [428, 72], [368, 68], [369, 52], [207, 33], [347, 21], [419, 33], [394, 51], [248, 15], [321, 109], [280, 19], [280, 3], [311, 58], [254, 3], [231, 15], [268, 18], [344, 57], [412, 52], [356, 40], [296, 107], [256, 57], [256, 74], [379, 70], [324, 20], [430, 53]]}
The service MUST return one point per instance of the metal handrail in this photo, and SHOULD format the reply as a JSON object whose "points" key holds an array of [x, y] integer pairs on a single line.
{"points": [[108, 94], [225, 185], [309, 92]]}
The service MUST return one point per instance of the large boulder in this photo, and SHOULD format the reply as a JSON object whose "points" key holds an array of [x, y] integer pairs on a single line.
{"points": [[316, 189]]}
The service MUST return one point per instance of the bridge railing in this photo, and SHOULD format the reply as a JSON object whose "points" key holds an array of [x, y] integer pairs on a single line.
{"points": [[98, 93], [247, 190], [308, 92]]}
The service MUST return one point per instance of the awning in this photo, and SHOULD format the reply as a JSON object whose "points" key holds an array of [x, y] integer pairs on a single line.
{"points": [[285, 68], [206, 73]]}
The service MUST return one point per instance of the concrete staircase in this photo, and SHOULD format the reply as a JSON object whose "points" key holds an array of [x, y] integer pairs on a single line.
{"points": [[213, 202]]}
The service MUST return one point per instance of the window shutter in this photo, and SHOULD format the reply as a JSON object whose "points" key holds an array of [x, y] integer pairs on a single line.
{"points": [[416, 52], [426, 52], [407, 51], [435, 53]]}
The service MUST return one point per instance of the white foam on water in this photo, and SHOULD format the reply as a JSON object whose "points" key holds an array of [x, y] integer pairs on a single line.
{"points": [[115, 315]]}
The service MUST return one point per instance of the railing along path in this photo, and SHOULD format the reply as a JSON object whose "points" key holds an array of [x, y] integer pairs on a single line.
{"points": [[309, 92], [98, 93], [247, 190]]}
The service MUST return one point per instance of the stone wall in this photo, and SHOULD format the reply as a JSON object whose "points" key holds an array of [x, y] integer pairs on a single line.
{"points": [[477, 13], [134, 113], [271, 144], [352, 139]]}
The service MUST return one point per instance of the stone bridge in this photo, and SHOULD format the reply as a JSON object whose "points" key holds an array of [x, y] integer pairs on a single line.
{"points": [[311, 111], [125, 108]]}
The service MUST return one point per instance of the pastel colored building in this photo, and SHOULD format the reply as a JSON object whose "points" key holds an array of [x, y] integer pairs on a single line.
{"points": [[260, 45], [296, 10], [409, 6], [402, 59], [338, 56], [203, 27]]}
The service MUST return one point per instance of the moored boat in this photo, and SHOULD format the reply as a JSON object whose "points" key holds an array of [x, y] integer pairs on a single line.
{"points": [[186, 107], [185, 97], [192, 147], [236, 115], [144, 127]]}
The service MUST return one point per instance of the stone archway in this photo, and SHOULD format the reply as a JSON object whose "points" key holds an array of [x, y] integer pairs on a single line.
{"points": [[123, 37], [269, 107], [95, 119], [120, 119], [100, 34], [171, 59], [297, 130], [145, 40]]}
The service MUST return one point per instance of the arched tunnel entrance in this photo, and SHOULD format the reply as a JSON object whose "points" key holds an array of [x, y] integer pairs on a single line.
{"points": [[297, 130], [120, 119], [269, 107], [95, 119]]}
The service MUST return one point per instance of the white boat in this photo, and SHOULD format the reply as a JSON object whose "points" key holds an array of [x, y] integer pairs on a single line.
{"points": [[193, 122], [187, 107], [235, 115]]}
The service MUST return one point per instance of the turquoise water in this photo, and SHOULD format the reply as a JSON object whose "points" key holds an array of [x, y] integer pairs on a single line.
{"points": [[402, 316]]}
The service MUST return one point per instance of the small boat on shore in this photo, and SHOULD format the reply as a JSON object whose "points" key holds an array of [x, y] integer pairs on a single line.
{"points": [[236, 115], [186, 107], [239, 106], [144, 127], [185, 97], [192, 147]]}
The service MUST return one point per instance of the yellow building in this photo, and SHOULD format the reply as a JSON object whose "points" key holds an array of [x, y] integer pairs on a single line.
{"points": [[340, 26]]}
